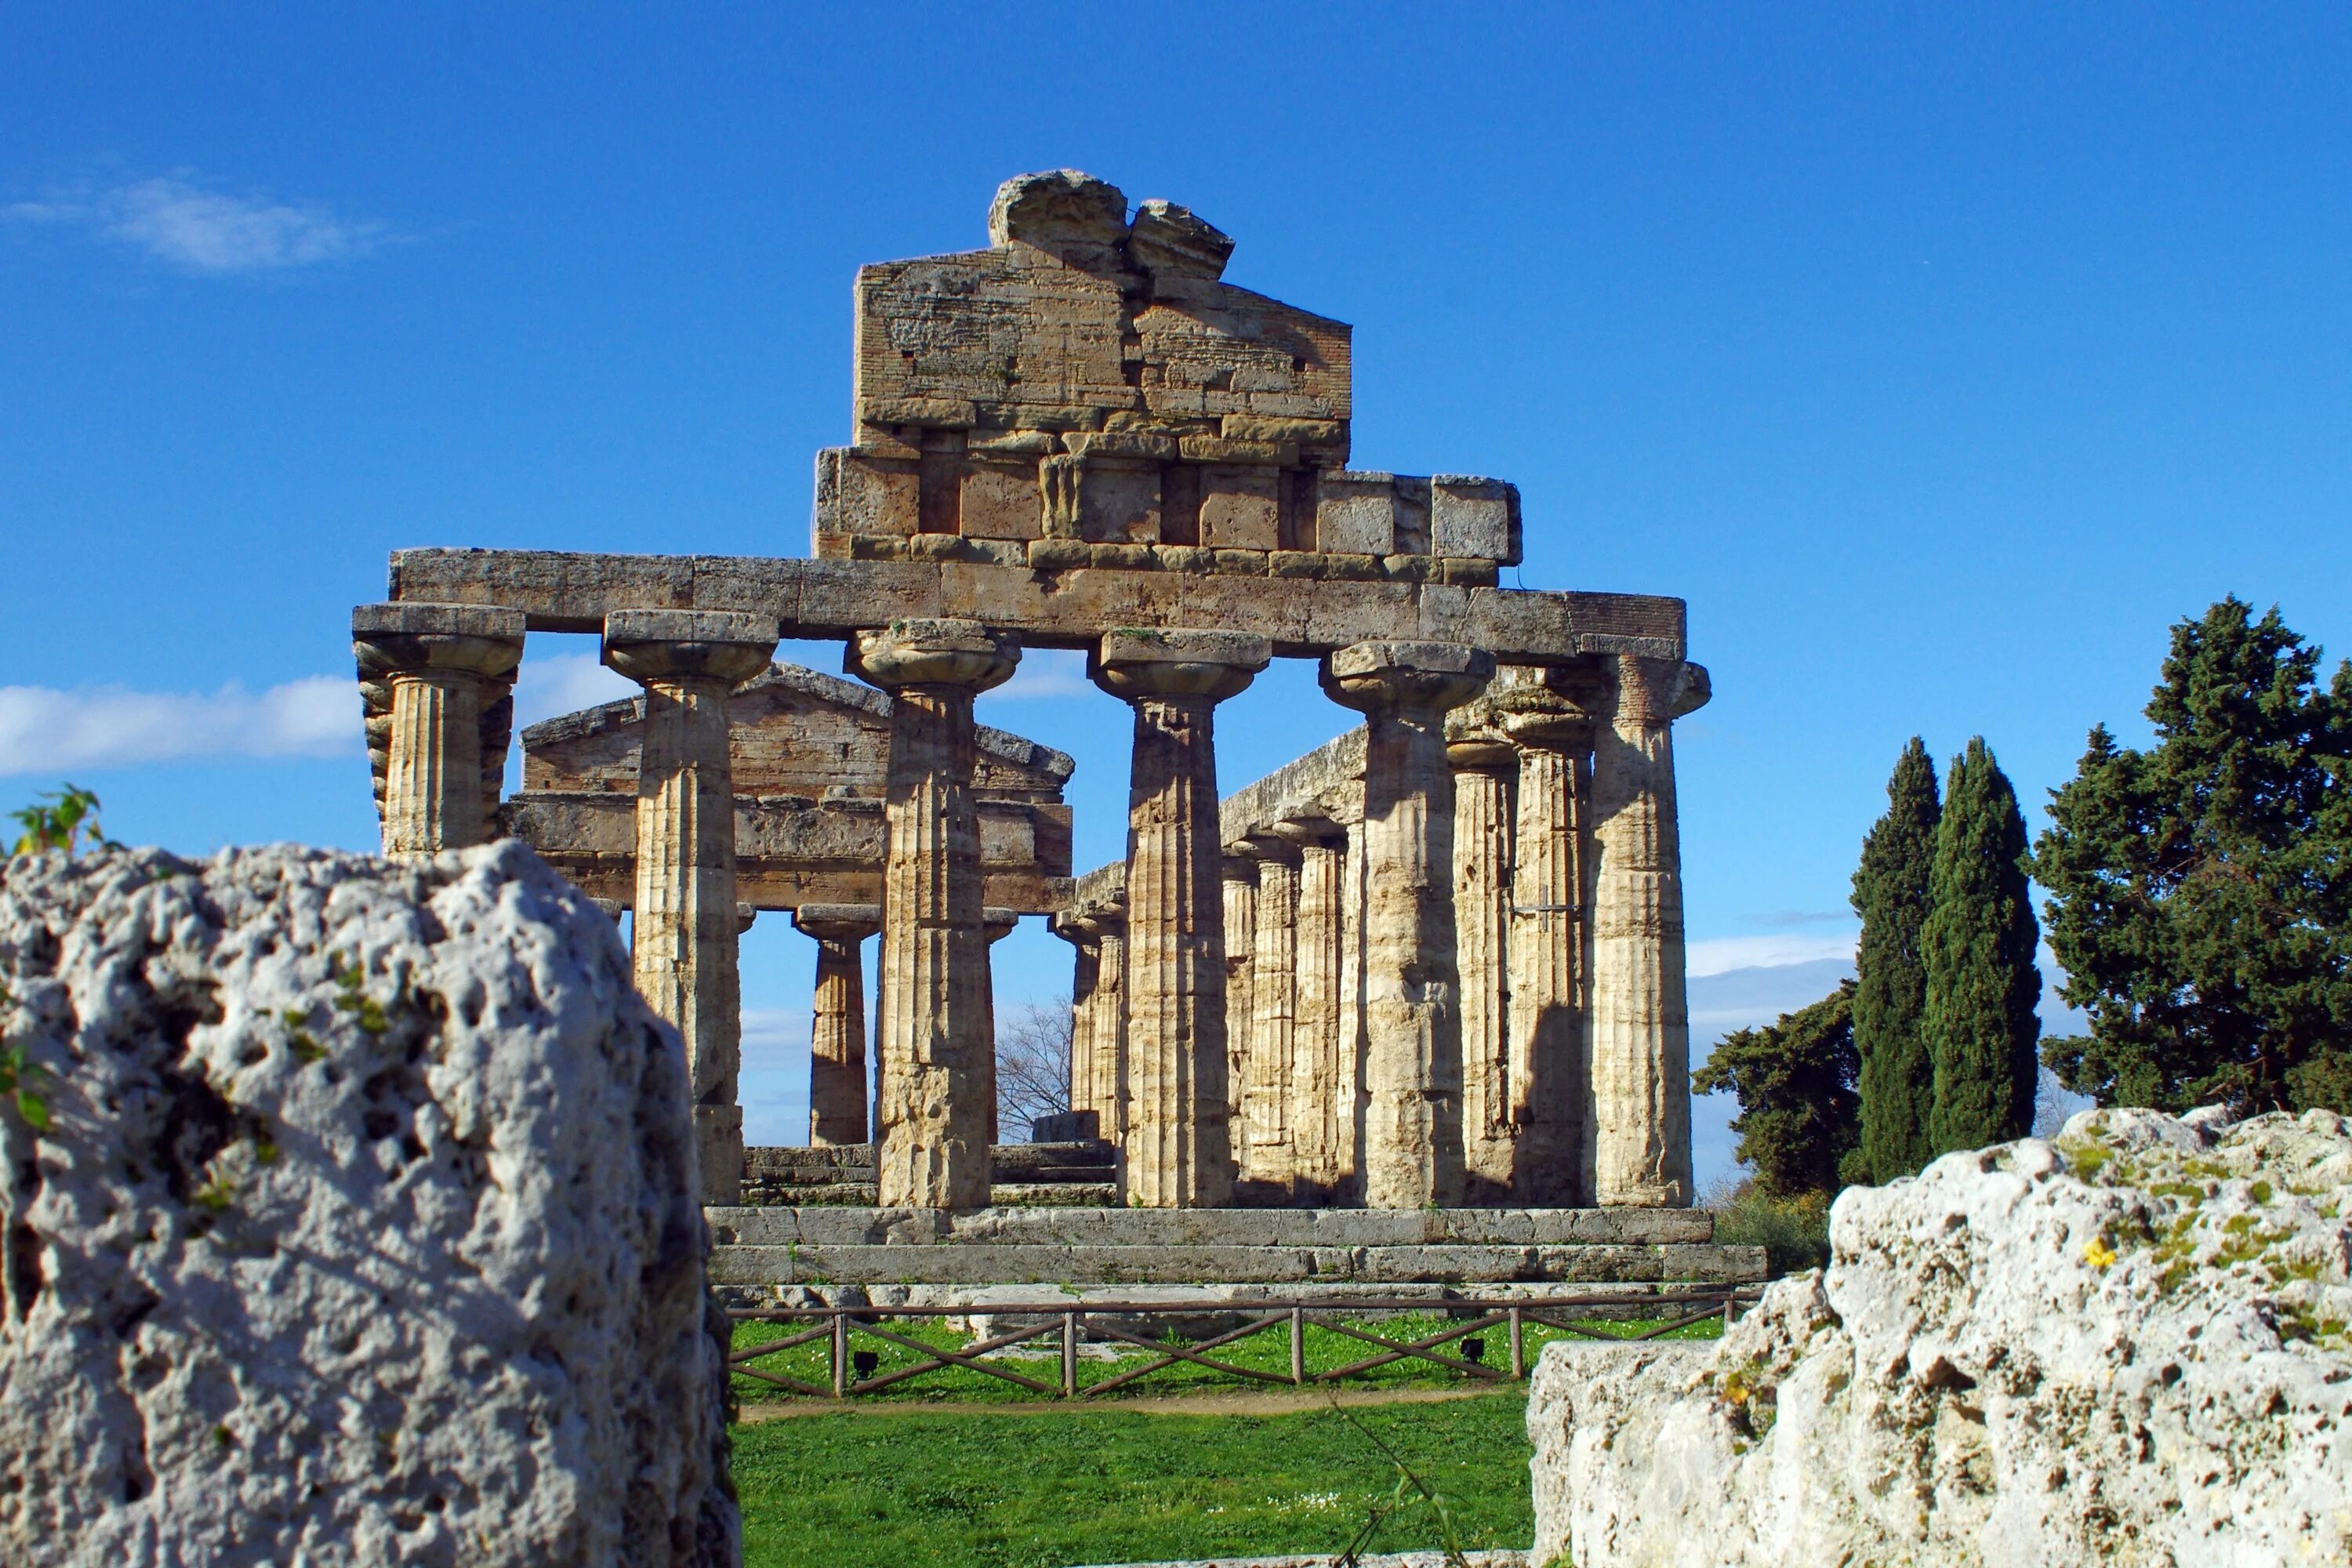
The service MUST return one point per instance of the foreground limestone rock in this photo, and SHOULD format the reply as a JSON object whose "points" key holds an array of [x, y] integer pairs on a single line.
{"points": [[2126, 1347], [363, 1230]]}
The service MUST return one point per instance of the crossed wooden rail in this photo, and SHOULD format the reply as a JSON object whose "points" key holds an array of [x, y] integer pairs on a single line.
{"points": [[1103, 1321]]}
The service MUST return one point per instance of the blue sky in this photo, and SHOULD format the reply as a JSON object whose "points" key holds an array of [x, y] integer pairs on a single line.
{"points": [[1939, 357]]}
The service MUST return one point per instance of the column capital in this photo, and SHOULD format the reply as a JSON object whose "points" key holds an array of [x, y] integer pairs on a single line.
{"points": [[1537, 717], [998, 923], [684, 644], [1653, 691], [1309, 833], [1408, 678], [1237, 866], [934, 651], [482, 640], [1078, 930], [1214, 665], [1263, 844], [838, 923]]}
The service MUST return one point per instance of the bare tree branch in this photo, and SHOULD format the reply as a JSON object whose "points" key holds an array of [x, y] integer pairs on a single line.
{"points": [[1033, 1065]]}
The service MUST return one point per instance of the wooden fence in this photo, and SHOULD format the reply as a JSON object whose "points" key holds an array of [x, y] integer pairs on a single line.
{"points": [[857, 1371]]}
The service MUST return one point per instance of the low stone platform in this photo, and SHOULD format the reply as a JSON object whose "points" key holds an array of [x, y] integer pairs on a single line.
{"points": [[1350, 1249]]}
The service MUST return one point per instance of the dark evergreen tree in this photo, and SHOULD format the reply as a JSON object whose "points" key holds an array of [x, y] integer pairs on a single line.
{"points": [[1798, 1117], [1890, 1000], [1978, 943], [2201, 891]]}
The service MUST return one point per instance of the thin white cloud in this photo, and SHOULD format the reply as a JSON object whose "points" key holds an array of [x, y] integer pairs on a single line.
{"points": [[565, 683], [44, 731], [1045, 672], [190, 224], [1719, 955]]}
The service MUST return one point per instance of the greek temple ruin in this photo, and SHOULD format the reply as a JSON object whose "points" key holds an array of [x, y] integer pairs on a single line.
{"points": [[1437, 964]]}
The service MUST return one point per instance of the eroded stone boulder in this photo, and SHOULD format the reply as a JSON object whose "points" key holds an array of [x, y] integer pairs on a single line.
{"points": [[363, 1228], [2127, 1346]]}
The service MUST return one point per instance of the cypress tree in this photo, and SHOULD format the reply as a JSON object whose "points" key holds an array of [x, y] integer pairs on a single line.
{"points": [[1979, 942], [1890, 999]]}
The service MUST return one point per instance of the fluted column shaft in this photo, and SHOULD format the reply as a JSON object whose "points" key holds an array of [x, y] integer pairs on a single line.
{"points": [[1316, 1083], [684, 922], [1482, 787], [441, 669], [995, 925], [938, 1075], [1178, 1147], [1269, 1161], [1109, 1031], [838, 1104], [1551, 1076], [1085, 969], [1241, 994], [1639, 1025], [1412, 1060]]}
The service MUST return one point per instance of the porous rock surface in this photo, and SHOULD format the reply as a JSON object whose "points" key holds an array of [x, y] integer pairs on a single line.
{"points": [[2127, 1346], [363, 1228]]}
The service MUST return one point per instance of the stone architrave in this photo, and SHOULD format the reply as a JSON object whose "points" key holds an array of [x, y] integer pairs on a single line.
{"points": [[1551, 1074], [685, 915], [1315, 1080], [996, 925], [1413, 1056], [1269, 1163], [1178, 1148], [837, 1105], [1639, 1017], [937, 1062], [1241, 991], [1484, 772], [447, 665]]}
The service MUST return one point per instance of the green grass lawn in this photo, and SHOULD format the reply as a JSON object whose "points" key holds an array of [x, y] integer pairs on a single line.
{"points": [[1267, 1350], [1086, 1484]]}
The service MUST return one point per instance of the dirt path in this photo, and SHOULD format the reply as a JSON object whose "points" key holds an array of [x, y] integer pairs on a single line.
{"points": [[1240, 1403]]}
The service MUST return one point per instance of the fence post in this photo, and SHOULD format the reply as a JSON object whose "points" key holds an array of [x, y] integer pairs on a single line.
{"points": [[1730, 1301], [1518, 1344], [1069, 1355], [840, 1353], [1298, 1347]]}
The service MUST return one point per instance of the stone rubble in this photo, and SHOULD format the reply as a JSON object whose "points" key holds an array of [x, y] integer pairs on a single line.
{"points": [[364, 1226], [2129, 1345]]}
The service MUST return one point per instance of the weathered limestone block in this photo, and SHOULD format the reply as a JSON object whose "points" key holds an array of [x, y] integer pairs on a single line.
{"points": [[448, 672], [837, 1109], [2129, 1346], [364, 1228], [684, 917], [1638, 1022], [1411, 1151], [1473, 516], [937, 1070], [1177, 1146]]}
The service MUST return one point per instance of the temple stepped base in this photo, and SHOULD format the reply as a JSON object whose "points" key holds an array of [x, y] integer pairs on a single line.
{"points": [[1363, 1250]]}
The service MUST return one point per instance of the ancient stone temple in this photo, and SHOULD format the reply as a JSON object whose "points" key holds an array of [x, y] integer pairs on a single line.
{"points": [[1437, 964]]}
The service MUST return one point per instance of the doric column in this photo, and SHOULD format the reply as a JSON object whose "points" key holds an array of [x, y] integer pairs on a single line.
{"points": [[1084, 937], [1269, 1162], [936, 1068], [1484, 773], [1179, 1144], [1639, 1026], [1109, 1030], [1551, 1078], [1347, 1103], [1241, 994], [838, 1109], [1315, 1075], [995, 925], [440, 678], [1412, 1052], [685, 917]]}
